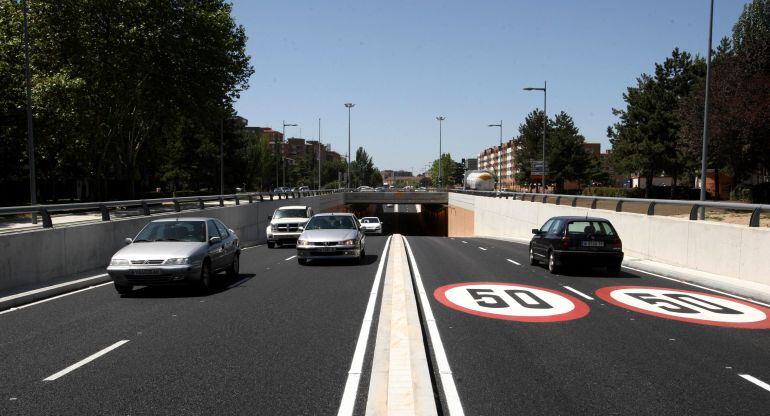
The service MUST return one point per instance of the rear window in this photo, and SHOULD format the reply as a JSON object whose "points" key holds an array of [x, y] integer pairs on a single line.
{"points": [[369, 220], [590, 227]]}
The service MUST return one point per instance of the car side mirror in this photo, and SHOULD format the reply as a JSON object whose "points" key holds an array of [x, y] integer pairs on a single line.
{"points": [[231, 231], [214, 240], [535, 231], [128, 240]]}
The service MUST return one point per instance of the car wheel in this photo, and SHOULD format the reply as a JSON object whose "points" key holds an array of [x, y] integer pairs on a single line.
{"points": [[362, 257], [270, 244], [123, 289], [234, 268], [613, 269], [532, 260], [206, 281], [302, 261], [552, 267]]}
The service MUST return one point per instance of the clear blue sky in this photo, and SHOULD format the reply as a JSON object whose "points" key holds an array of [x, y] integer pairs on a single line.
{"points": [[405, 62]]}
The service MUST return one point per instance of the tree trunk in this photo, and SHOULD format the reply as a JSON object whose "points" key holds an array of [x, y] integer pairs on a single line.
{"points": [[648, 183], [716, 183]]}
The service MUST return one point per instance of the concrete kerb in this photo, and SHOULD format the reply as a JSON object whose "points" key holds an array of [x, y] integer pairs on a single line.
{"points": [[750, 290], [30, 295]]}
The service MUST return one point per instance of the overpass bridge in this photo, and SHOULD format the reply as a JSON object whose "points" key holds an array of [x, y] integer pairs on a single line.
{"points": [[452, 324]]}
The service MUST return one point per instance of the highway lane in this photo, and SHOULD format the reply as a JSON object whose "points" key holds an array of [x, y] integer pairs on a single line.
{"points": [[611, 361], [279, 341]]}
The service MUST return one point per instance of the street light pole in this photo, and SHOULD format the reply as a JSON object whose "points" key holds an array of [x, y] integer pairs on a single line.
{"points": [[500, 157], [704, 153], [440, 120], [277, 148], [30, 136], [319, 153], [349, 106], [221, 157], [545, 118]]}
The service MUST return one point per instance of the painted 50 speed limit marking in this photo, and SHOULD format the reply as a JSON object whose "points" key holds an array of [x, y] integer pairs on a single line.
{"points": [[511, 302], [688, 306]]}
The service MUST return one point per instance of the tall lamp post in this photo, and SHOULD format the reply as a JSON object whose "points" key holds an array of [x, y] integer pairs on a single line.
{"points": [[349, 106], [704, 154], [283, 138], [28, 87], [500, 157], [440, 120], [545, 119], [319, 153]]}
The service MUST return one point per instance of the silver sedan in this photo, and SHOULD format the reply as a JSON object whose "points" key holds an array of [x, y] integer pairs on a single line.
{"points": [[331, 236], [176, 251]]}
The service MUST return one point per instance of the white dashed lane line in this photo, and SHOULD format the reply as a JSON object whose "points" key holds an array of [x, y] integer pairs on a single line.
{"points": [[756, 381], [514, 262], [464, 242], [289, 258], [85, 361], [579, 293], [482, 248]]}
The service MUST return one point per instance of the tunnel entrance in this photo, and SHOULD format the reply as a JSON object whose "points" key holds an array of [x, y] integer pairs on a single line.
{"points": [[406, 219]]}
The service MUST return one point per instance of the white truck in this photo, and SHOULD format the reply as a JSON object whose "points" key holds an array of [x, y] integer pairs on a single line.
{"points": [[286, 224]]}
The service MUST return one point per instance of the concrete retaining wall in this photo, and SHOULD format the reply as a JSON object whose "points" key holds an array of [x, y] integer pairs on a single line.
{"points": [[40, 256], [730, 250]]}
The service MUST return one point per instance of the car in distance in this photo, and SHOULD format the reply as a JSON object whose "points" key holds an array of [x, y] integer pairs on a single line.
{"points": [[564, 241], [286, 224], [328, 236], [371, 225], [304, 188], [176, 251]]}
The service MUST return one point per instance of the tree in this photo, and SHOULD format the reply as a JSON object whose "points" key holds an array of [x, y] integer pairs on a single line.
{"points": [[568, 160], [529, 144], [362, 170], [447, 171], [644, 140], [739, 100]]}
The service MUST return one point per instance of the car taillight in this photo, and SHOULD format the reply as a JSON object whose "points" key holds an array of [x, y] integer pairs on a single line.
{"points": [[616, 243], [565, 242]]}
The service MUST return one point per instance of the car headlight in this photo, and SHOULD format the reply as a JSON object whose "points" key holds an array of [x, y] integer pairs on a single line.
{"points": [[118, 262], [349, 242], [177, 261], [301, 242], [274, 227]]}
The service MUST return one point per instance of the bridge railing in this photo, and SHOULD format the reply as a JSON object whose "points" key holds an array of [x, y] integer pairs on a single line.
{"points": [[136, 207], [694, 206]]}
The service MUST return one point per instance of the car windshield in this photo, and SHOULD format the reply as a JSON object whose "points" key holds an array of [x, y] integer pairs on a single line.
{"points": [[331, 222], [369, 221], [290, 213], [577, 228], [194, 231]]}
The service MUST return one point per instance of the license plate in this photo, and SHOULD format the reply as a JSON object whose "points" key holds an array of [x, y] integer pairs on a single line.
{"points": [[592, 243], [326, 249], [146, 271]]}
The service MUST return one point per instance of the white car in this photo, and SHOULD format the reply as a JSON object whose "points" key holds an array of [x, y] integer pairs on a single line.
{"points": [[286, 224], [371, 225]]}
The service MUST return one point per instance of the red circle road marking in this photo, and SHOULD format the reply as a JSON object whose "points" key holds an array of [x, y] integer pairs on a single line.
{"points": [[579, 309], [606, 294]]}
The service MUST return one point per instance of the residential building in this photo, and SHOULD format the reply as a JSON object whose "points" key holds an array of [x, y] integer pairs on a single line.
{"points": [[500, 161]]}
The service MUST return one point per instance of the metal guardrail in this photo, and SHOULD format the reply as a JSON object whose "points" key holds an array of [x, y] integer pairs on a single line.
{"points": [[45, 211], [756, 209]]}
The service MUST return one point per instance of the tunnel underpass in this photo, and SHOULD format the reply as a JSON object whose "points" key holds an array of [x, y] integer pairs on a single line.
{"points": [[406, 219]]}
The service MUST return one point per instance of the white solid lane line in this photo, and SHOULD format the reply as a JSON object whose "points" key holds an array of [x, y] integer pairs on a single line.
{"points": [[53, 298], [756, 381], [514, 262], [85, 361], [289, 258], [482, 248], [698, 286], [578, 292], [354, 374], [447, 380]]}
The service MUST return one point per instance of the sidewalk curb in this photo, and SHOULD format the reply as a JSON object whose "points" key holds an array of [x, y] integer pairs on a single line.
{"points": [[23, 298]]}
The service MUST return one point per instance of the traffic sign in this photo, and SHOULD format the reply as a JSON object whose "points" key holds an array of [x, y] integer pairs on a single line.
{"points": [[688, 306], [511, 302]]}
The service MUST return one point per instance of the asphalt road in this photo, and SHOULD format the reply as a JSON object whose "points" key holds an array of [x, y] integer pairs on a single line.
{"points": [[611, 361], [279, 339]]}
